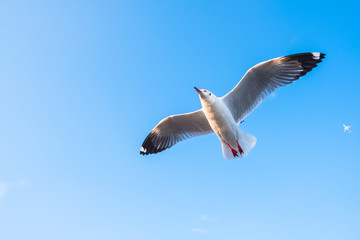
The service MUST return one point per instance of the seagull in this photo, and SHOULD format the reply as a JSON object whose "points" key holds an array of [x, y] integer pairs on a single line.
{"points": [[222, 115], [347, 128]]}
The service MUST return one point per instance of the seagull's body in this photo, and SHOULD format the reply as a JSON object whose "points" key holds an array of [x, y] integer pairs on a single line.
{"points": [[223, 115], [224, 125], [347, 128]]}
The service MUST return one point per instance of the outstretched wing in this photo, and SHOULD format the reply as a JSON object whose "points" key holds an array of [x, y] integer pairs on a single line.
{"points": [[265, 77], [174, 129]]}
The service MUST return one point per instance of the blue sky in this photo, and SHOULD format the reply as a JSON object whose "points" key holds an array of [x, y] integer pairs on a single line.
{"points": [[83, 83]]}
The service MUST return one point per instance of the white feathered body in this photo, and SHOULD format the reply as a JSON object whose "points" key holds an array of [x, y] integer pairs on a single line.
{"points": [[225, 127]]}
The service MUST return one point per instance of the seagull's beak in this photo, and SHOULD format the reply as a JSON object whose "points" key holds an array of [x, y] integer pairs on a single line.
{"points": [[198, 90]]}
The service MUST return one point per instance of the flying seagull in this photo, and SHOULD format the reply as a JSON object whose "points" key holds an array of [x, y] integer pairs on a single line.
{"points": [[223, 115], [347, 128]]}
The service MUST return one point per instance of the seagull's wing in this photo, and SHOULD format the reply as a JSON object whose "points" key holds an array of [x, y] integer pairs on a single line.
{"points": [[264, 78], [174, 129]]}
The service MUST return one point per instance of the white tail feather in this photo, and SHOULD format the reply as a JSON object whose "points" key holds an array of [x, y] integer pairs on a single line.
{"points": [[226, 151], [246, 142]]}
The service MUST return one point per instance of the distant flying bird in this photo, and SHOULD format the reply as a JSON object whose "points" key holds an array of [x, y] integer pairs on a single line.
{"points": [[223, 115], [347, 128]]}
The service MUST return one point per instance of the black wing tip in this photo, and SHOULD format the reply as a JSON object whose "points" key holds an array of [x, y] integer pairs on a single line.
{"points": [[316, 56], [145, 151], [308, 60], [148, 146]]}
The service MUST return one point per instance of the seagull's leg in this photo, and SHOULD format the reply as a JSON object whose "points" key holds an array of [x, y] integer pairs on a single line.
{"points": [[240, 149], [234, 152]]}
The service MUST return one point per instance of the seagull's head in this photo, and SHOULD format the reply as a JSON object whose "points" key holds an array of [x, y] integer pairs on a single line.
{"points": [[205, 95]]}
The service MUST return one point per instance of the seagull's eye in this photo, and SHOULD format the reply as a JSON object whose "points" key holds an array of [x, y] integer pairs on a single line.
{"points": [[209, 94]]}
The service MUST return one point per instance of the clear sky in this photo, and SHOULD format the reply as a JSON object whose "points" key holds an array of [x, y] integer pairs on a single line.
{"points": [[83, 82]]}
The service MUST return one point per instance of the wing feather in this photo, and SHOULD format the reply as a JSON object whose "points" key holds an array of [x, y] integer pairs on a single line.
{"points": [[265, 77], [174, 129]]}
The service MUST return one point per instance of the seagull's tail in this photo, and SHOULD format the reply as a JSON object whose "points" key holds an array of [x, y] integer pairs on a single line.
{"points": [[246, 142]]}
